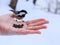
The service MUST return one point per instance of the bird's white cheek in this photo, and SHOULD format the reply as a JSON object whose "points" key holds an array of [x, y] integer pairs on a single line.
{"points": [[21, 13]]}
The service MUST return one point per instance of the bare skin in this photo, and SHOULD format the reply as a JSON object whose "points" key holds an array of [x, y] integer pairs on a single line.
{"points": [[30, 27]]}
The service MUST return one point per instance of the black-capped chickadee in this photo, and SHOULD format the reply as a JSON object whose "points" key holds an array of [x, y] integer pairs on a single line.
{"points": [[19, 15]]}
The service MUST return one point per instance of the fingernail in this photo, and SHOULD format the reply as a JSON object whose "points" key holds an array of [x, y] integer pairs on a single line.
{"points": [[47, 21]]}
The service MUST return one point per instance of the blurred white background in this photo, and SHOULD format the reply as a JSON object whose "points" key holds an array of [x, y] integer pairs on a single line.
{"points": [[49, 36]]}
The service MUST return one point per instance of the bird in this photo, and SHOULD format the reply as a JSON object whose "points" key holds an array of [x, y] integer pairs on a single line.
{"points": [[19, 15]]}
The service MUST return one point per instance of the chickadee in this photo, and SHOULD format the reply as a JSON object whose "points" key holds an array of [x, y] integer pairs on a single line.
{"points": [[19, 15]]}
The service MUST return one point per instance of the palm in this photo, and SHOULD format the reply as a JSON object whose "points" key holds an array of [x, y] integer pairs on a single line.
{"points": [[30, 27]]}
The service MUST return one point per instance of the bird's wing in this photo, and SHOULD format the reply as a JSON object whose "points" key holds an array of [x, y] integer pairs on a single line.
{"points": [[13, 4]]}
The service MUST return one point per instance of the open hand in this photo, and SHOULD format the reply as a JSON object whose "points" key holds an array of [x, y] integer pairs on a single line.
{"points": [[30, 27]]}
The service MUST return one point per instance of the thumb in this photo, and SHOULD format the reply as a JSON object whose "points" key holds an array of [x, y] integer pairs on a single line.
{"points": [[12, 15]]}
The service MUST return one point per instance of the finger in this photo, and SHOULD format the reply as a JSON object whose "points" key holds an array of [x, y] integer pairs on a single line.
{"points": [[33, 21], [36, 27], [39, 23], [25, 32], [32, 32]]}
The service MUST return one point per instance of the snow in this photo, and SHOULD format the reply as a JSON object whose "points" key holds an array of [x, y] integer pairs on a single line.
{"points": [[49, 36]]}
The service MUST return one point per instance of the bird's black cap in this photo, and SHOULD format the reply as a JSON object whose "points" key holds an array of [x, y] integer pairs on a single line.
{"points": [[23, 11], [17, 12]]}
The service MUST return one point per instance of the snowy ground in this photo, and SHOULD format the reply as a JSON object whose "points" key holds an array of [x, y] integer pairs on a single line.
{"points": [[49, 36]]}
